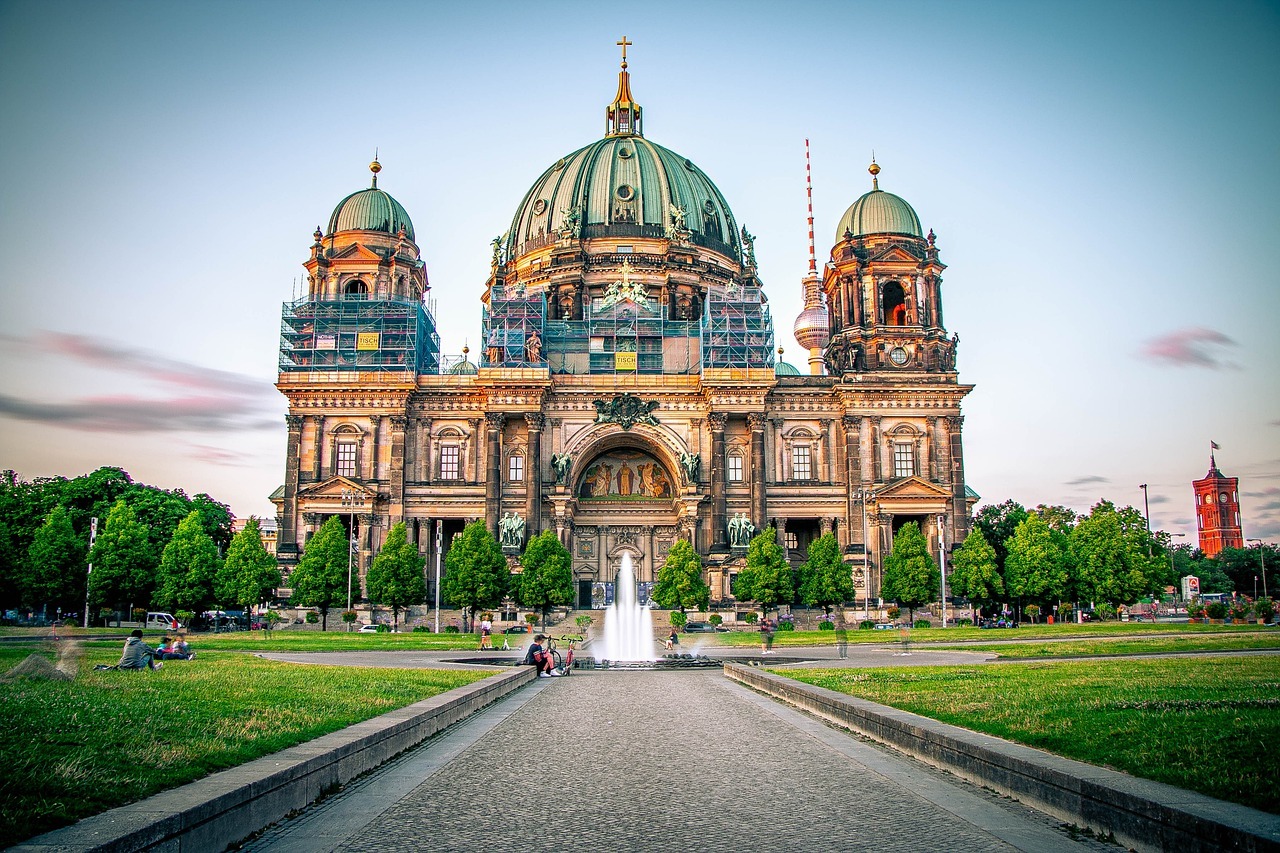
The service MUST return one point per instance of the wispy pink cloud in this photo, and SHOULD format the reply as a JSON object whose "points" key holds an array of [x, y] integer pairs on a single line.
{"points": [[1194, 347]]}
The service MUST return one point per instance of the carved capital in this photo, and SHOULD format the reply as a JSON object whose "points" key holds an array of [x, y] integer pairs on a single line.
{"points": [[495, 420], [756, 421], [534, 420], [294, 422], [954, 422], [399, 422], [851, 423], [717, 421]]}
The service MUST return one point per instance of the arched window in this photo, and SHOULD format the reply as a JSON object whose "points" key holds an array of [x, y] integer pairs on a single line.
{"points": [[895, 304], [355, 289]]}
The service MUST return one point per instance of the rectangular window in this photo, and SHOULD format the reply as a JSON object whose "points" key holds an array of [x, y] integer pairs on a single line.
{"points": [[625, 250], [800, 464], [904, 460], [735, 468], [515, 467], [792, 542], [346, 459], [450, 456]]}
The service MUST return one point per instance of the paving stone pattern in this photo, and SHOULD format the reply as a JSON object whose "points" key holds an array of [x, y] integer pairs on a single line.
{"points": [[659, 761]]}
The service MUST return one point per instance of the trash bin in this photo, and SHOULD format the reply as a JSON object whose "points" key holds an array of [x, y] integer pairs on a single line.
{"points": [[1050, 620]]}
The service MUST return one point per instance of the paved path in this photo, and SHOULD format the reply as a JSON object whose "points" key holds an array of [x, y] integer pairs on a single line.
{"points": [[659, 761]]}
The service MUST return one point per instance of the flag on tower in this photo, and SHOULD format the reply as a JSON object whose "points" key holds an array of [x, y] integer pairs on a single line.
{"points": [[1214, 445]]}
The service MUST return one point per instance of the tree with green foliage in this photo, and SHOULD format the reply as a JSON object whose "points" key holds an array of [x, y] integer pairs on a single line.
{"points": [[1109, 556], [974, 574], [827, 578], [55, 565], [248, 574], [546, 576], [395, 579], [122, 561], [767, 578], [911, 576], [997, 523], [1037, 566], [320, 578], [476, 573], [680, 584], [1242, 565], [1059, 518], [188, 567]]}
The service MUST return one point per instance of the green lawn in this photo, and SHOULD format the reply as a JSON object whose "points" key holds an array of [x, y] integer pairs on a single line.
{"points": [[1123, 646], [294, 640], [1209, 724], [961, 635], [72, 749]]}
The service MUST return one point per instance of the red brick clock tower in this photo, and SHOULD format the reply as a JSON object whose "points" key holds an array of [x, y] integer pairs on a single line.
{"points": [[1218, 511]]}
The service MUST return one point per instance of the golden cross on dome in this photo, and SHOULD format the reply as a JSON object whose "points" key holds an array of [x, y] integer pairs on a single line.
{"points": [[624, 44]]}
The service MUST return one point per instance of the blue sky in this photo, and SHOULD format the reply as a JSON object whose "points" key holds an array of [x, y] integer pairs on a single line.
{"points": [[1101, 177]]}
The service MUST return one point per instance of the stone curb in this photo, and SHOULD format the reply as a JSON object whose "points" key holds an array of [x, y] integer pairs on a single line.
{"points": [[228, 806], [1141, 814]]}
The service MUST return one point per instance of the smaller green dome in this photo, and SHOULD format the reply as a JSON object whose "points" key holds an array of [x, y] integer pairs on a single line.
{"points": [[784, 369], [464, 368], [370, 210], [879, 212]]}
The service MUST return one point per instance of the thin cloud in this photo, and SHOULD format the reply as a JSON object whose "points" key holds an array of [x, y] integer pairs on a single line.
{"points": [[191, 397], [1159, 499], [218, 456], [1194, 347], [1087, 481]]}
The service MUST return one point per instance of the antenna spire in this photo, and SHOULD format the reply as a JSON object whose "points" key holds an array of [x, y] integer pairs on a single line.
{"points": [[808, 188]]}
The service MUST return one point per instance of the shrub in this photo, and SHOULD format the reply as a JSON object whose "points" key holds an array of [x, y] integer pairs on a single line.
{"points": [[715, 619], [964, 622], [312, 617], [894, 612], [1066, 614], [1105, 612], [272, 619], [348, 616], [185, 616], [384, 628], [923, 623], [452, 629], [1032, 611], [826, 626], [421, 629], [786, 623], [1238, 611], [531, 619], [1264, 608], [866, 625], [678, 619], [1216, 610], [139, 614], [1196, 609], [751, 617], [582, 621]]}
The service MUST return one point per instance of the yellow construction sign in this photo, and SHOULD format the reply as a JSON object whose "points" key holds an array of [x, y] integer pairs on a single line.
{"points": [[624, 361]]}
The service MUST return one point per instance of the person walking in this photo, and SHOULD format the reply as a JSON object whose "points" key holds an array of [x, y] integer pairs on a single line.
{"points": [[766, 636], [486, 631]]}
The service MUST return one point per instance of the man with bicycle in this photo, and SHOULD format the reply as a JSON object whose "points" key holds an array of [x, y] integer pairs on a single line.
{"points": [[541, 657]]}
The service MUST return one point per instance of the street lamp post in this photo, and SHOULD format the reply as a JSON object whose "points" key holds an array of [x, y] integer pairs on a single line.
{"points": [[864, 495], [1173, 573], [1146, 514], [1262, 559], [942, 562], [351, 500], [439, 543]]}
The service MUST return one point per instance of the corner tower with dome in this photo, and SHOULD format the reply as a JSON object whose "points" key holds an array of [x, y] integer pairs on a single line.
{"points": [[628, 391]]}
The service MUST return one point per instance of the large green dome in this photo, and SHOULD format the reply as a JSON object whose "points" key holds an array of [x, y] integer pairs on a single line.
{"points": [[879, 212], [624, 186], [370, 210]]}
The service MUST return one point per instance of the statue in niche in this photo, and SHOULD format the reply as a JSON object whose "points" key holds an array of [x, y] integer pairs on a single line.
{"points": [[560, 463], [740, 531], [511, 530], [566, 306], [684, 307], [691, 462]]}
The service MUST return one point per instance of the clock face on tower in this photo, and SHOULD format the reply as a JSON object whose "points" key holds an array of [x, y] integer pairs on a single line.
{"points": [[898, 356]]}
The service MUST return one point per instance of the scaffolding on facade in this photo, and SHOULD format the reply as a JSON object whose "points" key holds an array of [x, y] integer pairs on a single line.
{"points": [[737, 330], [514, 329], [369, 335]]}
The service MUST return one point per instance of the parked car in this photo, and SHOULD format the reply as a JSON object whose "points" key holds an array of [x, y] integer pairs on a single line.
{"points": [[368, 629], [517, 629], [699, 628]]}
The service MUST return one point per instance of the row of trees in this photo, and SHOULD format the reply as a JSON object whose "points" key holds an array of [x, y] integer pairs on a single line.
{"points": [[44, 535]]}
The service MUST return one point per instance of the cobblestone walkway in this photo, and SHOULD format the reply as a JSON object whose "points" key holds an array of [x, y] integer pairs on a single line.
{"points": [[659, 761]]}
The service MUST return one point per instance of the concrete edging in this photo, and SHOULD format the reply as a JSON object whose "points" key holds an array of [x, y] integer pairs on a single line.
{"points": [[228, 806], [1141, 814]]}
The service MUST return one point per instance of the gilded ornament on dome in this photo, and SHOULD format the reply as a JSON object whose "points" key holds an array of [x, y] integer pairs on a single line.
{"points": [[626, 290]]}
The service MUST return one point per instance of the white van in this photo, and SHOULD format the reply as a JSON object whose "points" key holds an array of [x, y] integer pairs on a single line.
{"points": [[160, 621]]}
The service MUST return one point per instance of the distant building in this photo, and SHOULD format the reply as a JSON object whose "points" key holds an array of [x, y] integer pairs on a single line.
{"points": [[627, 391], [1218, 511], [266, 526]]}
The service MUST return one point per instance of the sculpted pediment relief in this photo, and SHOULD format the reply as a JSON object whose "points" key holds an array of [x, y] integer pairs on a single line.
{"points": [[356, 252], [332, 489], [912, 488], [895, 253]]}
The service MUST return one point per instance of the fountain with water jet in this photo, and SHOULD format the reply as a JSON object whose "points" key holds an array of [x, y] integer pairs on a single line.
{"points": [[628, 626]]}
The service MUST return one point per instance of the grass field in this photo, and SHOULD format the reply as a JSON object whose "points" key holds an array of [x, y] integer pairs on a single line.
{"points": [[71, 749], [961, 635], [1209, 724], [1125, 646], [301, 641]]}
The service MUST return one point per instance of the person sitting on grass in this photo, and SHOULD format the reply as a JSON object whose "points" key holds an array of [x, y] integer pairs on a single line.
{"points": [[137, 654], [171, 649]]}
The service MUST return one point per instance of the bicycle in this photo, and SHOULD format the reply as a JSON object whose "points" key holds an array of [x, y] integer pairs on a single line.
{"points": [[562, 664]]}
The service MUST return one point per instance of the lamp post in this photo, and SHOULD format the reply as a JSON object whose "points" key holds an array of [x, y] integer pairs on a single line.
{"points": [[351, 500], [942, 562], [1172, 573], [1262, 559], [862, 496], [439, 542], [1146, 514]]}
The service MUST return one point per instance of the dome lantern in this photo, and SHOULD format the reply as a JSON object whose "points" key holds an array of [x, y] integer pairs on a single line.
{"points": [[878, 212], [623, 116]]}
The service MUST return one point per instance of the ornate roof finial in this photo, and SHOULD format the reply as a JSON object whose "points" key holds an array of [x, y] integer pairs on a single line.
{"points": [[375, 167], [623, 116], [874, 170]]}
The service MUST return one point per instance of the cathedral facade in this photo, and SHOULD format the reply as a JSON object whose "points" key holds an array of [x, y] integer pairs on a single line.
{"points": [[628, 392]]}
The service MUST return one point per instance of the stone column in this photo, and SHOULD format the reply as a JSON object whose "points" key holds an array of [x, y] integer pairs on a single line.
{"points": [[877, 461], [781, 532], [494, 421], [424, 450], [759, 511], [288, 535], [375, 426], [959, 525], [533, 470], [853, 472], [472, 473], [828, 449], [718, 506], [396, 472], [317, 460]]}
